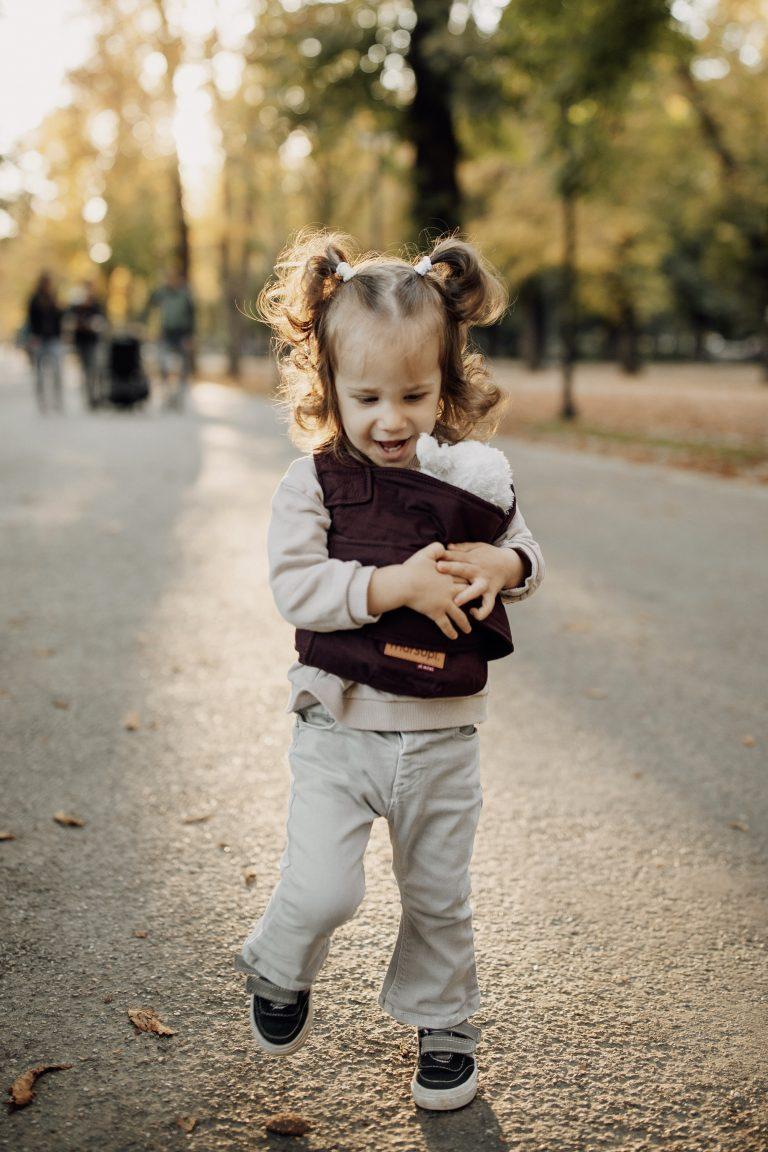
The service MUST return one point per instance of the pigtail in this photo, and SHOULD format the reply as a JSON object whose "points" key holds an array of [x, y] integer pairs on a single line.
{"points": [[294, 300], [471, 294], [472, 291], [295, 304]]}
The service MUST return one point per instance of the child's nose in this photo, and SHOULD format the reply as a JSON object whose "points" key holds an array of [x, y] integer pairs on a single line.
{"points": [[392, 419]]}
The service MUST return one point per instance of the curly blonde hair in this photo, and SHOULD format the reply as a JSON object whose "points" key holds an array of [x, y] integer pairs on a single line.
{"points": [[305, 304]]}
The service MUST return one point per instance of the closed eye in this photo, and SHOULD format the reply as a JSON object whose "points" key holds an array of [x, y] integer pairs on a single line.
{"points": [[413, 399]]}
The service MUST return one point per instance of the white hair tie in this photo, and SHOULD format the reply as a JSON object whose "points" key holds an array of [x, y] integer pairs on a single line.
{"points": [[344, 271], [423, 266]]}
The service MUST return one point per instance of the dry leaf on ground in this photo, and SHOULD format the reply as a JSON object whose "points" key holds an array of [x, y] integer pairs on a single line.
{"points": [[288, 1124], [21, 1092], [197, 819], [131, 722], [249, 875], [748, 741], [186, 1123], [738, 825], [67, 820], [6, 835], [147, 1020], [60, 702], [596, 693], [141, 934]]}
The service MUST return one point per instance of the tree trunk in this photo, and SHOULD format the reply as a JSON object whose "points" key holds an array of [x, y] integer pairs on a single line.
{"points": [[628, 349], [181, 225], [568, 301], [428, 123], [534, 333], [225, 271]]}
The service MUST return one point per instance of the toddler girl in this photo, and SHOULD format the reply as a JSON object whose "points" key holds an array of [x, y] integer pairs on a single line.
{"points": [[394, 580]]}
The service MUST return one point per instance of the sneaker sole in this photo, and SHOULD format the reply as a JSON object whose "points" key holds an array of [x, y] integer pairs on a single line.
{"points": [[283, 1049], [444, 1099]]}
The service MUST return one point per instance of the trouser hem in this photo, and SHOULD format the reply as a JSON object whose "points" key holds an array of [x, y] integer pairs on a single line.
{"points": [[276, 975], [425, 1020]]}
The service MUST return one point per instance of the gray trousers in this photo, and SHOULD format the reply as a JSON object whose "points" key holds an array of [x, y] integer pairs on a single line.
{"points": [[427, 786]]}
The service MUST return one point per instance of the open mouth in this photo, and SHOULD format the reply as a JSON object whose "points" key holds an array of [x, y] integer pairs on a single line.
{"points": [[392, 447]]}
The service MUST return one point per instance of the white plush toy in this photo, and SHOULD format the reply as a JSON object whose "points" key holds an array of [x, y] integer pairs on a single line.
{"points": [[471, 465]]}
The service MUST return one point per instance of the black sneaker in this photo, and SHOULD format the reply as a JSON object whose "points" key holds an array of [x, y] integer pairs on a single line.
{"points": [[281, 1019], [446, 1076]]}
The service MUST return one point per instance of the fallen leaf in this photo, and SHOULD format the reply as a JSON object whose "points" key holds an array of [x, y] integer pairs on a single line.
{"points": [[68, 821], [59, 702], [21, 1091], [197, 819], [748, 741], [596, 693], [147, 1020], [186, 1123], [141, 934], [108, 999], [44, 653], [738, 825], [288, 1124], [249, 875], [637, 775], [6, 835], [131, 722]]}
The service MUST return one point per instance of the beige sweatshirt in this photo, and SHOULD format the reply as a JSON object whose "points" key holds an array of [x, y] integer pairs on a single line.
{"points": [[313, 591]]}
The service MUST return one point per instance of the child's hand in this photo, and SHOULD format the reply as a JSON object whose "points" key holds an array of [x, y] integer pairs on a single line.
{"points": [[433, 593], [486, 569]]}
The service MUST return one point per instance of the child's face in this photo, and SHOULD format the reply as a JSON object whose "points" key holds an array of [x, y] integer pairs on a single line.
{"points": [[387, 385]]}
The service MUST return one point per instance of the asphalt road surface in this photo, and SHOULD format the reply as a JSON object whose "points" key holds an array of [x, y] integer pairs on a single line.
{"points": [[619, 877]]}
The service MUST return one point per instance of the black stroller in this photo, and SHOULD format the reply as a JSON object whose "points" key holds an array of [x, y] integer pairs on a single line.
{"points": [[126, 380]]}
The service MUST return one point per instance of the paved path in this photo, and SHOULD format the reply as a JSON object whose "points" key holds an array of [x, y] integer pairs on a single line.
{"points": [[619, 879]]}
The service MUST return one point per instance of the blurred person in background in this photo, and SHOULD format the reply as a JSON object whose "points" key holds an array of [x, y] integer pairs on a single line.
{"points": [[44, 341], [175, 305], [88, 319]]}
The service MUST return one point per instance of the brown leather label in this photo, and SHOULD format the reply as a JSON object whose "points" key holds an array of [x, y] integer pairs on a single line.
{"points": [[416, 655]]}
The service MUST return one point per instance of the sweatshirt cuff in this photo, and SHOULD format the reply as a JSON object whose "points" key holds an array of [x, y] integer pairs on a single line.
{"points": [[358, 597], [531, 581]]}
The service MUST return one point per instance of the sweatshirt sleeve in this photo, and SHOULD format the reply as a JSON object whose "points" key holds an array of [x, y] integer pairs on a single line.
{"points": [[518, 537], [310, 589]]}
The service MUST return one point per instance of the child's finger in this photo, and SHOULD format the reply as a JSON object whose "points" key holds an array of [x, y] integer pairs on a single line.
{"points": [[485, 608], [446, 627], [454, 568], [472, 591], [459, 618]]}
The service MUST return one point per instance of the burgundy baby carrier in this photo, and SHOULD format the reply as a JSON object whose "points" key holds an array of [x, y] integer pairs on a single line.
{"points": [[382, 516]]}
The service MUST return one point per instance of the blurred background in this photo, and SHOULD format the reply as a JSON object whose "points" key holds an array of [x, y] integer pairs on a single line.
{"points": [[609, 159]]}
